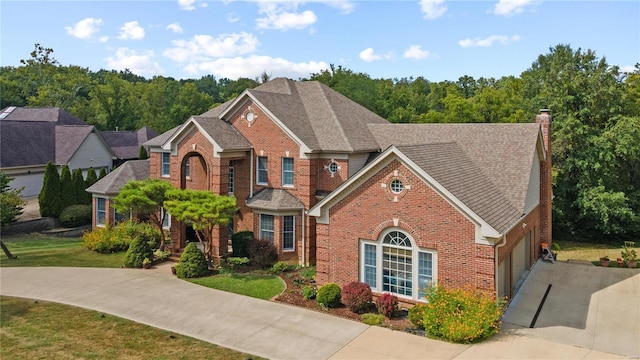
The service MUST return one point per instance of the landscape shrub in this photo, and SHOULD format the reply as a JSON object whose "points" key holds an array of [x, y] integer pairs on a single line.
{"points": [[192, 263], [113, 239], [75, 215], [309, 292], [416, 314], [262, 253], [308, 273], [229, 265], [161, 255], [387, 304], [281, 267], [138, 251], [357, 296], [462, 315], [329, 295], [240, 243], [372, 319]]}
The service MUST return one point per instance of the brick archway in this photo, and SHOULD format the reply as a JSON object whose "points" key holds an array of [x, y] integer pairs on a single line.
{"points": [[194, 172]]}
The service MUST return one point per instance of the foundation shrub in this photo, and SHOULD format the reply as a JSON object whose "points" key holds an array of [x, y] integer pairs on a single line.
{"points": [[309, 292], [416, 314], [240, 243], [139, 250], [329, 295], [114, 239], [229, 265], [192, 263], [387, 304], [262, 253], [281, 267], [372, 319], [462, 315], [308, 273], [357, 296], [75, 215]]}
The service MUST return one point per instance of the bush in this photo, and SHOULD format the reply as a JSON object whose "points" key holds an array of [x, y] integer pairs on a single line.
{"points": [[309, 292], [75, 215], [357, 296], [416, 314], [387, 304], [161, 255], [462, 315], [113, 239], [192, 263], [308, 273], [281, 267], [372, 319], [138, 251], [262, 253], [228, 266], [240, 243], [329, 295]]}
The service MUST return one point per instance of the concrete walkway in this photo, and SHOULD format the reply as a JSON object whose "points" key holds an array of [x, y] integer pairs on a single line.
{"points": [[258, 327]]}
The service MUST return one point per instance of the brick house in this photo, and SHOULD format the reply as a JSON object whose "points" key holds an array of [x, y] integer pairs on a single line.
{"points": [[397, 206]]}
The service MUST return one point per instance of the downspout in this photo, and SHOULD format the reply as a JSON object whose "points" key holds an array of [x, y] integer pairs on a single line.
{"points": [[304, 245], [251, 174]]}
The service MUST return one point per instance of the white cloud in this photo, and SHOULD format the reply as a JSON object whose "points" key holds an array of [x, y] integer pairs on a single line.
{"points": [[84, 28], [368, 55], [205, 47], [511, 7], [140, 63], [283, 16], [103, 39], [233, 17], [416, 52], [487, 42], [175, 27], [627, 69], [253, 66], [131, 31], [186, 4], [432, 9]]}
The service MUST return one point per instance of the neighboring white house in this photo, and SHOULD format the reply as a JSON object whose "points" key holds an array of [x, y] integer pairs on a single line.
{"points": [[31, 137]]}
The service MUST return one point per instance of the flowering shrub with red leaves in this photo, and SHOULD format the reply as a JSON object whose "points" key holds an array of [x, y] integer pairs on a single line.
{"points": [[357, 296], [387, 304]]}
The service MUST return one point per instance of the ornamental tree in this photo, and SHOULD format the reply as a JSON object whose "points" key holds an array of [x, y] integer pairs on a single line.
{"points": [[204, 210], [67, 191], [49, 197], [147, 198], [11, 203]]}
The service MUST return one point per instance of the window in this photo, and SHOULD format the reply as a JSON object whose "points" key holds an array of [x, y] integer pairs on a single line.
{"points": [[288, 226], [287, 171], [166, 222], [118, 218], [396, 186], [187, 168], [101, 211], [165, 164], [262, 170], [333, 167], [396, 266], [266, 227], [231, 177]]}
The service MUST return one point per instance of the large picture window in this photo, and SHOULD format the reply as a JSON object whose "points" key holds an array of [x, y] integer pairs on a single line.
{"points": [[395, 265], [288, 233], [263, 177], [118, 217], [287, 171], [101, 211], [165, 164], [266, 227]]}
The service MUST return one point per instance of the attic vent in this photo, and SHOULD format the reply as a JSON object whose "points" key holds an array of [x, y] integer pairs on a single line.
{"points": [[7, 111]]}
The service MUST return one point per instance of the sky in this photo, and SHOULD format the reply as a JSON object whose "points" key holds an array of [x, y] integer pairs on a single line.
{"points": [[435, 39]]}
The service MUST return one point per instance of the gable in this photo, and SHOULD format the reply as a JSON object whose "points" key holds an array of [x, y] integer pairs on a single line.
{"points": [[220, 134]]}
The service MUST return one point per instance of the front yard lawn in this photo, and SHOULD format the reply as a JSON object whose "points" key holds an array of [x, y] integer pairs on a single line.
{"points": [[254, 284]]}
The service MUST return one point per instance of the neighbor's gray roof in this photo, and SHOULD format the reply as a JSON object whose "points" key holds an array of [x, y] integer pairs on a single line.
{"points": [[274, 199], [456, 171], [319, 116], [503, 153], [162, 138], [68, 140], [115, 180], [126, 144], [45, 114]]}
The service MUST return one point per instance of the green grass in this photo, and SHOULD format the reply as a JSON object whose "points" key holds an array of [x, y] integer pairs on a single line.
{"points": [[30, 330], [256, 285], [42, 250], [575, 250]]}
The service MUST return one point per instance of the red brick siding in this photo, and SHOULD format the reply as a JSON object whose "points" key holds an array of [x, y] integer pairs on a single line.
{"points": [[328, 182]]}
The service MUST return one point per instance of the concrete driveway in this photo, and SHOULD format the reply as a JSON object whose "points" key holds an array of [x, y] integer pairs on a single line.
{"points": [[586, 306]]}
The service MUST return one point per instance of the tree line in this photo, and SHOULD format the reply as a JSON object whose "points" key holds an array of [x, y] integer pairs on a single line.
{"points": [[595, 109]]}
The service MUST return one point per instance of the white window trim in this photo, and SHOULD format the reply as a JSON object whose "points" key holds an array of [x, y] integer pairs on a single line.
{"points": [[273, 223], [414, 265], [258, 170], [167, 219], [293, 233], [232, 177], [162, 164], [104, 221], [293, 178]]}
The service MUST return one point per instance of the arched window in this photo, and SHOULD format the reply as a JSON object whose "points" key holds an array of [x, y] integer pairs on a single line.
{"points": [[394, 264]]}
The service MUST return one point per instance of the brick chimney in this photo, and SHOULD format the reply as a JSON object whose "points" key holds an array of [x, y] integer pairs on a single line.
{"points": [[546, 191]]}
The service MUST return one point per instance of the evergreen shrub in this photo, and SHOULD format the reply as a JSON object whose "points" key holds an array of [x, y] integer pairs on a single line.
{"points": [[75, 215], [240, 243], [329, 295], [192, 263], [309, 292], [138, 251]]}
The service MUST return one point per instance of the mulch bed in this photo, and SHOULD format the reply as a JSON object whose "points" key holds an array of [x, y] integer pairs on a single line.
{"points": [[292, 295]]}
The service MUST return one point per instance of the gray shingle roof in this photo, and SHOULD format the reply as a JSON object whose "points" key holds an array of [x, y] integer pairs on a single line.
{"points": [[115, 180], [503, 152], [274, 199], [68, 139], [223, 133], [162, 138], [126, 144], [46, 114], [450, 166]]}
